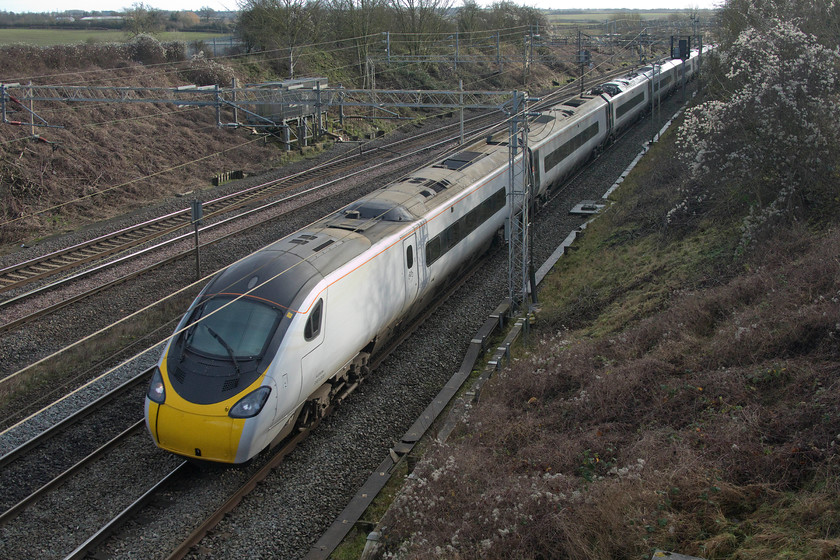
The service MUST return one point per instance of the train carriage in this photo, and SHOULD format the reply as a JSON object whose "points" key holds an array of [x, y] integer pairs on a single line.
{"points": [[565, 136], [628, 98], [271, 339]]}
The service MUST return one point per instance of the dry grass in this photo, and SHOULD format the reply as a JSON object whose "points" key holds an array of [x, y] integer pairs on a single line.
{"points": [[678, 398], [707, 428], [109, 159]]}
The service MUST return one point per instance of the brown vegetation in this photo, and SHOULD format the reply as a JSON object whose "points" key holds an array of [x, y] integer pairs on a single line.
{"points": [[682, 392], [106, 159], [708, 427]]}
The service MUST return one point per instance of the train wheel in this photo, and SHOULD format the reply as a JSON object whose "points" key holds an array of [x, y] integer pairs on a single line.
{"points": [[313, 409]]}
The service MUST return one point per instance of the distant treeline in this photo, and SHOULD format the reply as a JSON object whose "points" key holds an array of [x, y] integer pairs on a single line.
{"points": [[147, 19]]}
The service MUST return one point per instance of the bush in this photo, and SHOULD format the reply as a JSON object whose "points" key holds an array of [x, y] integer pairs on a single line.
{"points": [[204, 71], [768, 151], [147, 50], [176, 51]]}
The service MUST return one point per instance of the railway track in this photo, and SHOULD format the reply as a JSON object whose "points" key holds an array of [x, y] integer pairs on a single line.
{"points": [[28, 307], [99, 541], [183, 244], [45, 461], [21, 275], [186, 250], [169, 482]]}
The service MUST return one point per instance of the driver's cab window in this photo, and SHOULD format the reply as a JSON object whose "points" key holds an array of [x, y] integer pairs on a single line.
{"points": [[313, 323]]}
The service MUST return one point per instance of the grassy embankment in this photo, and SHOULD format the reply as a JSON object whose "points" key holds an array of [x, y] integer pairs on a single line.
{"points": [[677, 397]]}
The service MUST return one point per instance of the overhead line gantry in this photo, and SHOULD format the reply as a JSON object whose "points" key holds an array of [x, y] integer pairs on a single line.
{"points": [[301, 102]]}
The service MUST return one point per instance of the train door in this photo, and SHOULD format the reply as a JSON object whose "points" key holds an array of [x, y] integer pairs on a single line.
{"points": [[314, 364], [410, 267], [536, 175]]}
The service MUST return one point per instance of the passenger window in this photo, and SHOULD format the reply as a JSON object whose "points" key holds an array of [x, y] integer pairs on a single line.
{"points": [[409, 257], [313, 324], [433, 250]]}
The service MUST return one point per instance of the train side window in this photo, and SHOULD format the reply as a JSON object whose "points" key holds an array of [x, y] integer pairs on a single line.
{"points": [[409, 257], [433, 250], [471, 220], [445, 241], [313, 323], [455, 234]]}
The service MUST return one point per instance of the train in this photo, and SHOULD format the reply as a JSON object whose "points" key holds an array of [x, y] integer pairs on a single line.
{"points": [[272, 340]]}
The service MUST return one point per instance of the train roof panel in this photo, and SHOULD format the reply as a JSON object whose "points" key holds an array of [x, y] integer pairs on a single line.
{"points": [[272, 276], [292, 264], [412, 197], [381, 207], [459, 161], [622, 84], [386, 211]]}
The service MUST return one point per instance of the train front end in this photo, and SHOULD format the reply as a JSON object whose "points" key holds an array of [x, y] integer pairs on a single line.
{"points": [[214, 396], [210, 397]]}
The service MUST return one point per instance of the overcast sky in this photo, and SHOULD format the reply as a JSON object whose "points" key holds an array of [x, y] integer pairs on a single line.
{"points": [[19, 6]]}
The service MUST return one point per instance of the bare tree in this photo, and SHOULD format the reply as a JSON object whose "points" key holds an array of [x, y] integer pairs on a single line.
{"points": [[361, 23], [514, 19], [280, 24], [206, 13], [420, 20], [471, 18], [143, 19]]}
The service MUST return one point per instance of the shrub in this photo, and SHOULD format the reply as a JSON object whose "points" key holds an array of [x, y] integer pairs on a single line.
{"points": [[176, 51], [147, 50], [204, 71], [767, 152]]}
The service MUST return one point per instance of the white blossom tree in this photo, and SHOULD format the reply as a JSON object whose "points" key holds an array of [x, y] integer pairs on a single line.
{"points": [[768, 148]]}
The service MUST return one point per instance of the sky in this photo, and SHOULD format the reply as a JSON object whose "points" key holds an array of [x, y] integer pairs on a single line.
{"points": [[39, 6]]}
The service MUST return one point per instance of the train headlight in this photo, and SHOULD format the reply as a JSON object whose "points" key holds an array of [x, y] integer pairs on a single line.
{"points": [[157, 392], [251, 404]]}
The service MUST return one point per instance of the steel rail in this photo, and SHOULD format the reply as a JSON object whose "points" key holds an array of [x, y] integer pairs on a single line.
{"points": [[74, 418], [68, 301], [92, 542], [108, 529], [211, 521], [233, 501], [21, 274], [13, 511]]}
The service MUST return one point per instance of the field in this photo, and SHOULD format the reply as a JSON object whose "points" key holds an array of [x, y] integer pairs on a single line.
{"points": [[48, 37], [595, 22], [601, 16]]}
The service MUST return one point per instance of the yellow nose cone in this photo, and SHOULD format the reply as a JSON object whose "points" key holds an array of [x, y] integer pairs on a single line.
{"points": [[200, 436]]}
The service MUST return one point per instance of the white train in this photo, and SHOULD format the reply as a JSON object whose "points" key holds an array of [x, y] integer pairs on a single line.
{"points": [[271, 339]]}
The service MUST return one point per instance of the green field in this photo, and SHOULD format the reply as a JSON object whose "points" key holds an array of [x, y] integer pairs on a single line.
{"points": [[595, 19], [600, 16], [47, 37]]}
